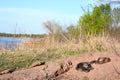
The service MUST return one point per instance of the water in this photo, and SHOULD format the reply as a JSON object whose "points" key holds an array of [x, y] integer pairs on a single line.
{"points": [[11, 42]]}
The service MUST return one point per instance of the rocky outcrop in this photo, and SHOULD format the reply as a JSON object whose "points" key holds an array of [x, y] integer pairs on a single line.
{"points": [[37, 71], [64, 69]]}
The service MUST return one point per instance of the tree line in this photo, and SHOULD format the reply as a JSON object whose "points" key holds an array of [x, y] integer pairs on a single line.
{"points": [[22, 35], [101, 19]]}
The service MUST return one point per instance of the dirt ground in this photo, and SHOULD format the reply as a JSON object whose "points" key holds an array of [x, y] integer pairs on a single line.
{"points": [[107, 71]]}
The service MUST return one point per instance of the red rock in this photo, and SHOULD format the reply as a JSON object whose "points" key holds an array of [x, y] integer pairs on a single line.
{"points": [[37, 63]]}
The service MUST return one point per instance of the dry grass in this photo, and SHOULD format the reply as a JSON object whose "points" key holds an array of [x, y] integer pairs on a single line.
{"points": [[47, 49], [89, 44]]}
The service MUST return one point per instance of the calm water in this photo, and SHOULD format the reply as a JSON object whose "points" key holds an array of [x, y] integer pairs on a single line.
{"points": [[11, 42]]}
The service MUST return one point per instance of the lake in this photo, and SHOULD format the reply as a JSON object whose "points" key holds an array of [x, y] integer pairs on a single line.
{"points": [[11, 42]]}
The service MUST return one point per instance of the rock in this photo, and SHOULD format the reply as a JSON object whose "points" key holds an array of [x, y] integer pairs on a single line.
{"points": [[7, 71], [47, 71], [37, 63], [63, 68]]}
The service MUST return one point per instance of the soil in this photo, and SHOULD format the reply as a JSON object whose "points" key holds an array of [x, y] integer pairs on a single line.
{"points": [[106, 71]]}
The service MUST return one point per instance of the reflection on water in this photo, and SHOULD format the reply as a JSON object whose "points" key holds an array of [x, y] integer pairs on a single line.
{"points": [[11, 42]]}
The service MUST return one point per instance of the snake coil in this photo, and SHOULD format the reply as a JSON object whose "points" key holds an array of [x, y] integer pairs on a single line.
{"points": [[87, 66]]}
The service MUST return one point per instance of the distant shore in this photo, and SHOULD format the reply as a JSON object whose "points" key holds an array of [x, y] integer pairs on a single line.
{"points": [[22, 35]]}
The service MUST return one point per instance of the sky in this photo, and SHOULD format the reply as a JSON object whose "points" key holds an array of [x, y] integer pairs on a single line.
{"points": [[28, 16]]}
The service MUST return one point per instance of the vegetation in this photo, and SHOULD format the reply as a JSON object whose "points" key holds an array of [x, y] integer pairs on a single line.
{"points": [[24, 58], [85, 78], [22, 35], [97, 21], [94, 33], [116, 17], [73, 32]]}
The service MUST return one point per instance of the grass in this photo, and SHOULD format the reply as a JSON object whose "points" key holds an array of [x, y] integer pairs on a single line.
{"points": [[48, 50], [85, 78], [22, 59]]}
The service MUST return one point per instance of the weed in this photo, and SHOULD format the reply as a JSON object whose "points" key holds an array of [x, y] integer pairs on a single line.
{"points": [[85, 78]]}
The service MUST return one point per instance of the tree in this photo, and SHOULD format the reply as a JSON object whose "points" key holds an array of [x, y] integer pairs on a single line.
{"points": [[73, 32], [116, 17], [55, 31], [97, 21]]}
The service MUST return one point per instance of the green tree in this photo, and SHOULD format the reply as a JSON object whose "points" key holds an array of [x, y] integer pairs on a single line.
{"points": [[97, 21]]}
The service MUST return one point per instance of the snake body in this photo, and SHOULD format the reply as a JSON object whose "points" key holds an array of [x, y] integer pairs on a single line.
{"points": [[87, 66]]}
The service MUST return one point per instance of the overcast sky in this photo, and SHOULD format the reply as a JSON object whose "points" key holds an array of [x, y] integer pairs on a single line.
{"points": [[29, 15]]}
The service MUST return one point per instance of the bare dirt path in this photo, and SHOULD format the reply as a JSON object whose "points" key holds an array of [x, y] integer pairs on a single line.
{"points": [[100, 72]]}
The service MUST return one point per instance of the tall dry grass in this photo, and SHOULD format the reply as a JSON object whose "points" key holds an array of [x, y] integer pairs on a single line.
{"points": [[91, 43]]}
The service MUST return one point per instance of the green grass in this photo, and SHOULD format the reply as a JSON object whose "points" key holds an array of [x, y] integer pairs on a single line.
{"points": [[22, 59], [85, 78]]}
